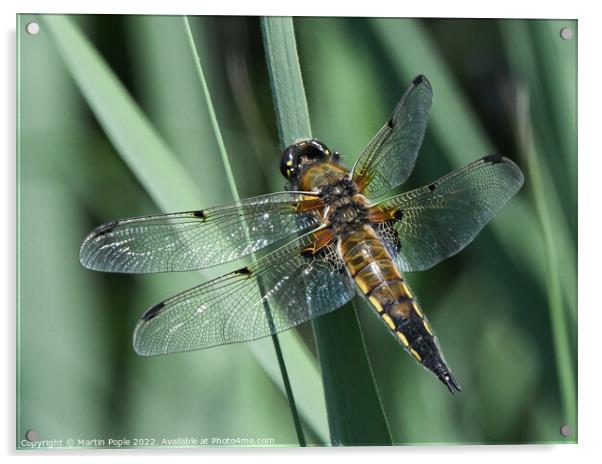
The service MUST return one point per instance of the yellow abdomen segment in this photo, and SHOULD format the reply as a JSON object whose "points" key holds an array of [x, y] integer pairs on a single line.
{"points": [[377, 277]]}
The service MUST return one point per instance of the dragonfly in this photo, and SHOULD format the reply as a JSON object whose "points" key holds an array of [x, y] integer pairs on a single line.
{"points": [[332, 234]]}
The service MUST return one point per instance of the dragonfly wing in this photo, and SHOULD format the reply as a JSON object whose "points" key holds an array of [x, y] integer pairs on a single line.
{"points": [[199, 239], [437, 221], [277, 292], [389, 158]]}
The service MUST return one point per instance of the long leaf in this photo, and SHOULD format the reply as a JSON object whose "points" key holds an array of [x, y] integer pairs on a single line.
{"points": [[558, 313], [234, 190], [355, 413], [412, 51], [533, 118], [169, 185], [551, 107]]}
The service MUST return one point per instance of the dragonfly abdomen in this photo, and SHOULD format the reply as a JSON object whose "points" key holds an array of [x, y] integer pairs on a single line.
{"points": [[377, 277]]}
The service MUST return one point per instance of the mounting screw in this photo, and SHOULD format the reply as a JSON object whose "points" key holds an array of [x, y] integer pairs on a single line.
{"points": [[565, 430], [566, 33]]}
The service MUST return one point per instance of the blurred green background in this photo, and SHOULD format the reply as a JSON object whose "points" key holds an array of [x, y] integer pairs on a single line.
{"points": [[505, 309]]}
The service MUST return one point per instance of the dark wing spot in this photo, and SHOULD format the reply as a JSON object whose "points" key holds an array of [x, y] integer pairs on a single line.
{"points": [[307, 253], [105, 228], [199, 214], [152, 312], [390, 123], [493, 159], [243, 271], [419, 79], [398, 215], [432, 187]]}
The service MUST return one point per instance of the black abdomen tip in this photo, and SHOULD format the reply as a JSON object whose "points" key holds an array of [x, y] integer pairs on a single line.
{"points": [[152, 312], [448, 379]]}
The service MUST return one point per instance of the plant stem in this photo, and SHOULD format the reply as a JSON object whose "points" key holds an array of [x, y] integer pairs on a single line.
{"points": [[216, 130], [558, 314], [234, 189], [355, 413]]}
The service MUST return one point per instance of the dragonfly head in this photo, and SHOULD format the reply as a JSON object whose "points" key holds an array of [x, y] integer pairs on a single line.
{"points": [[302, 153]]}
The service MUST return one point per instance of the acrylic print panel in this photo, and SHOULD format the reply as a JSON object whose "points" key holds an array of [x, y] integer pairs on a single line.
{"points": [[122, 116]]}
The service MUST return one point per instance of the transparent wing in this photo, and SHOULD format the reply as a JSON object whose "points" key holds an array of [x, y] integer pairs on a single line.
{"points": [[437, 221], [293, 286], [389, 158], [198, 239]]}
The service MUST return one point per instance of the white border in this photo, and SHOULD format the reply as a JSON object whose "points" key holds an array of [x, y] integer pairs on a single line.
{"points": [[422, 8], [590, 104]]}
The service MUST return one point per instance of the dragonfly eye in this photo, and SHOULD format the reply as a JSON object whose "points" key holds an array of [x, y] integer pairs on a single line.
{"points": [[289, 162], [313, 150], [301, 153]]}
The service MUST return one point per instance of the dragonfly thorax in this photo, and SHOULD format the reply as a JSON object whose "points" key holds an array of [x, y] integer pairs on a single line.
{"points": [[347, 214], [337, 191]]}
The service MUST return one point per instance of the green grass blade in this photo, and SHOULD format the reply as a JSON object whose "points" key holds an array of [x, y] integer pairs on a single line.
{"points": [[226, 162], [557, 76], [169, 185], [411, 51], [551, 107], [177, 112], [533, 119], [212, 116], [61, 370], [141, 148], [285, 76], [355, 412], [560, 329]]}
